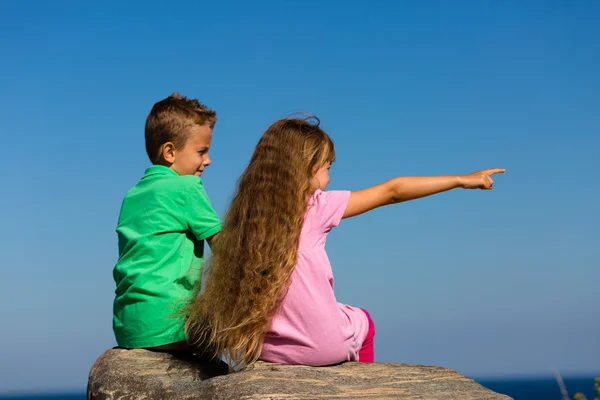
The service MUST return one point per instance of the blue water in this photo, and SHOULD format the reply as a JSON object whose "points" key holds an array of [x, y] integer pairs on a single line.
{"points": [[541, 389], [519, 389], [41, 396]]}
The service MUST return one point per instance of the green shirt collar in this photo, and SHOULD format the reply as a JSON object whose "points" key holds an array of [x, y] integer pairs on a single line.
{"points": [[159, 169]]}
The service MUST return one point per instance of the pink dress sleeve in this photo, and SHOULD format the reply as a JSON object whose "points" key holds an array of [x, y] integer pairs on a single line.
{"points": [[330, 207]]}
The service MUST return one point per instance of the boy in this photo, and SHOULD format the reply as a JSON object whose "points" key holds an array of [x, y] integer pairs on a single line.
{"points": [[163, 223]]}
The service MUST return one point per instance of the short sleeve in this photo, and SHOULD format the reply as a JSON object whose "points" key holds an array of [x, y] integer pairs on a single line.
{"points": [[202, 218], [330, 207]]}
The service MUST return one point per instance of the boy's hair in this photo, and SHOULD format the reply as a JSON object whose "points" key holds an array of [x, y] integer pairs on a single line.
{"points": [[257, 250], [170, 120]]}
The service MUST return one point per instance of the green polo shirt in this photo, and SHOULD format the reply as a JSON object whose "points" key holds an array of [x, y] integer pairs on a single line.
{"points": [[163, 222]]}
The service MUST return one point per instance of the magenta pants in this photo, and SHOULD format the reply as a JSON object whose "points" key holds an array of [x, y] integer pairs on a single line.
{"points": [[367, 351]]}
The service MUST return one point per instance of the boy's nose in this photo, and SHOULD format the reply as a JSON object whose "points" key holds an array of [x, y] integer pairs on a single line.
{"points": [[207, 160]]}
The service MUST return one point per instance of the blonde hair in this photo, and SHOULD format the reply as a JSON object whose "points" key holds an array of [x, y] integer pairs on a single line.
{"points": [[257, 250], [170, 120]]}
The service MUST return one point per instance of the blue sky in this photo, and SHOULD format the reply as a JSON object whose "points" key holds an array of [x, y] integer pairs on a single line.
{"points": [[491, 284]]}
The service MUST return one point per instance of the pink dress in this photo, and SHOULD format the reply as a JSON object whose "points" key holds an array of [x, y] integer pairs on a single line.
{"points": [[311, 327]]}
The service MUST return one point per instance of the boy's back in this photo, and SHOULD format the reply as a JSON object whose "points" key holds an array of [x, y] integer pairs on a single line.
{"points": [[163, 222]]}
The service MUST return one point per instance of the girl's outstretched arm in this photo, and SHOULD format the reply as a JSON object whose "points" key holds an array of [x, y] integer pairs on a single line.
{"points": [[414, 187]]}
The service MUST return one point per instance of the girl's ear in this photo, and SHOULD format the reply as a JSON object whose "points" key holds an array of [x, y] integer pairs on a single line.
{"points": [[315, 169], [167, 151]]}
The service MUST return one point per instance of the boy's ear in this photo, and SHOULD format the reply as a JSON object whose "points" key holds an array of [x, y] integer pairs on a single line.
{"points": [[168, 152]]}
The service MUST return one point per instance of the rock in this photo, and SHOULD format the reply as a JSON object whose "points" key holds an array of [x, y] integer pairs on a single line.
{"points": [[141, 374]]}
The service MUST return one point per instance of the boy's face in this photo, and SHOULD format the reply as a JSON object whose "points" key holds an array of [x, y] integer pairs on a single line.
{"points": [[192, 158]]}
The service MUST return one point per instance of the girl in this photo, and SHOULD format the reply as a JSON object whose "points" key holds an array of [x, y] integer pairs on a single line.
{"points": [[269, 290]]}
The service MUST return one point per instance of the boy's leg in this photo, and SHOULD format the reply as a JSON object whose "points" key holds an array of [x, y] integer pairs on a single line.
{"points": [[177, 346], [206, 362], [367, 351], [183, 348]]}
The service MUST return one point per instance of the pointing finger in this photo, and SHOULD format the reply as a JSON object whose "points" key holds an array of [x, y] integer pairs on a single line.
{"points": [[493, 171]]}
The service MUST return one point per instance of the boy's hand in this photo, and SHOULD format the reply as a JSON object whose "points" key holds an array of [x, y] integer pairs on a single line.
{"points": [[480, 179]]}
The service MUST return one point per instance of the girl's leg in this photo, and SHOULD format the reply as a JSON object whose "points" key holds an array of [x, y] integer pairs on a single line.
{"points": [[367, 352]]}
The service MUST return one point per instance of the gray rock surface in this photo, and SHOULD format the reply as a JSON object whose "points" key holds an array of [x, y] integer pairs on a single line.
{"points": [[141, 374]]}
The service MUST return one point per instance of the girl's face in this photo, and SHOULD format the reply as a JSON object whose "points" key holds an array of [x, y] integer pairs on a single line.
{"points": [[321, 177]]}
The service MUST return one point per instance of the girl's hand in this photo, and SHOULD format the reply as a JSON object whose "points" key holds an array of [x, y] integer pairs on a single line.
{"points": [[480, 179]]}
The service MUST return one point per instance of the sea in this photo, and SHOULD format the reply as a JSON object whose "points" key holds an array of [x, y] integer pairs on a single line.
{"points": [[518, 389]]}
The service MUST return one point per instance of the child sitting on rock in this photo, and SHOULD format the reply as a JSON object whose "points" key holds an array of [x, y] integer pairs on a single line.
{"points": [[163, 223], [269, 292]]}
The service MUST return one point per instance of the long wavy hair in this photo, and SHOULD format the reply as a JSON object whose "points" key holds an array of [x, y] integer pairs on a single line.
{"points": [[257, 249]]}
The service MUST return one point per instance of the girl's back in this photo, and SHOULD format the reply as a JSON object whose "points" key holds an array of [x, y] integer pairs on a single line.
{"points": [[310, 326]]}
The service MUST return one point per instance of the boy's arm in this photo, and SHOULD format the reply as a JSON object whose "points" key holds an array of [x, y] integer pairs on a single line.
{"points": [[212, 239], [203, 221], [408, 188]]}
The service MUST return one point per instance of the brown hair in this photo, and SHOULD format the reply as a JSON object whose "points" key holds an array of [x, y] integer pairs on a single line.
{"points": [[170, 120], [256, 252]]}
